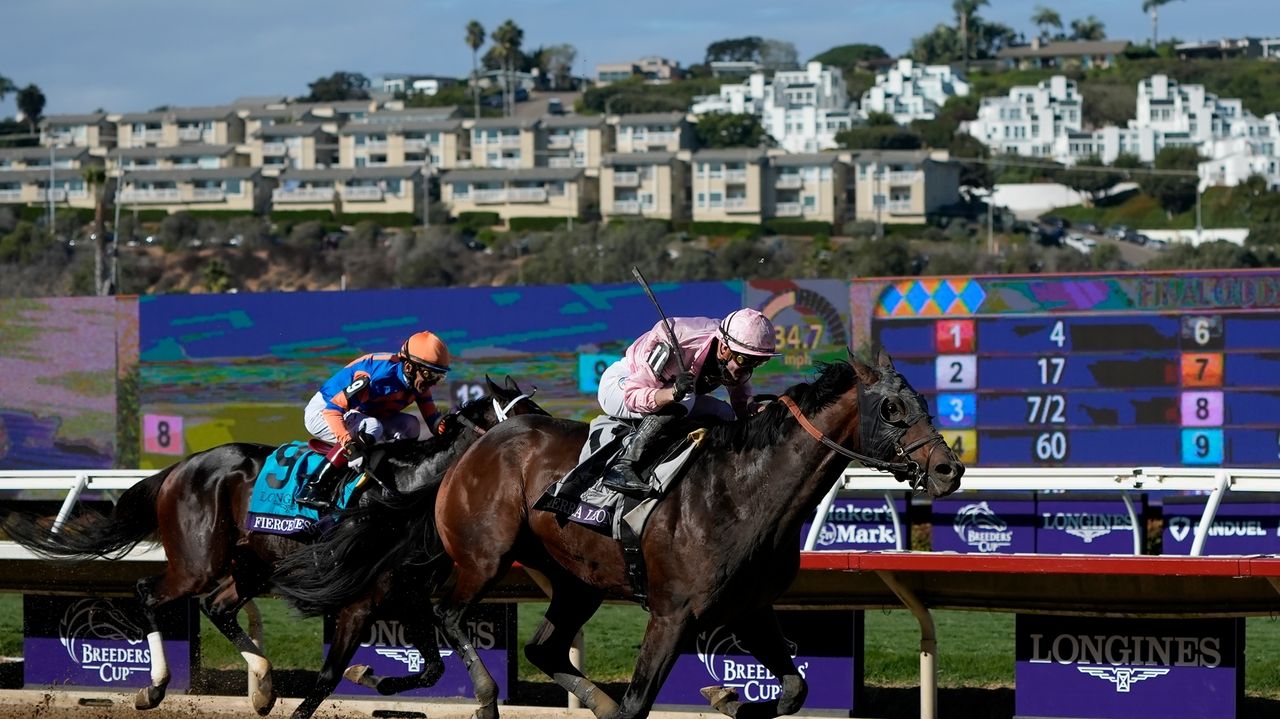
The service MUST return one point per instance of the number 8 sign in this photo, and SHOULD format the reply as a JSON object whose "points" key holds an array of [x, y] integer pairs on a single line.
{"points": [[162, 434]]}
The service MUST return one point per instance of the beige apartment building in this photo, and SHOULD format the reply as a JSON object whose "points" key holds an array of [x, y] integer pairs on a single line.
{"points": [[903, 186], [809, 187], [572, 141], [198, 125], [26, 177], [222, 189], [644, 184], [652, 132], [93, 131], [525, 192], [502, 142], [731, 185], [170, 157], [350, 190], [437, 143], [300, 145]]}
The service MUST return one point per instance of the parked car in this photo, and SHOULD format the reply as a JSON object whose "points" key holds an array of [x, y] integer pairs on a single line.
{"points": [[1048, 235], [555, 107], [1089, 228], [1052, 221], [1080, 243], [1136, 238], [1158, 244], [1118, 232]]}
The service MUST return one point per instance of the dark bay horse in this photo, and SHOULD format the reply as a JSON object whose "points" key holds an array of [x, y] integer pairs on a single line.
{"points": [[718, 550], [197, 508]]}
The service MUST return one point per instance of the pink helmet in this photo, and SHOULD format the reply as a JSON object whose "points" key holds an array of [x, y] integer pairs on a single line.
{"points": [[749, 332]]}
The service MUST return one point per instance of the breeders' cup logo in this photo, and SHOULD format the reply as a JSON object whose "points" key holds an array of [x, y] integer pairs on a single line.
{"points": [[1088, 526], [93, 630], [388, 639], [411, 658], [1123, 677], [719, 652], [979, 527]]}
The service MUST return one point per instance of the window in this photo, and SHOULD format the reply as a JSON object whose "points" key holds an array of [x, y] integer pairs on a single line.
{"points": [[231, 187], [717, 199], [702, 199], [461, 189], [810, 202], [555, 189], [393, 187], [646, 199]]}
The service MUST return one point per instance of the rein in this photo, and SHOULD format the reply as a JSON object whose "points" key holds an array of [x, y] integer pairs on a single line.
{"points": [[909, 466]]}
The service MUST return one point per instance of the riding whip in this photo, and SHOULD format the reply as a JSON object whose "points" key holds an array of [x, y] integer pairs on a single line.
{"points": [[675, 343]]}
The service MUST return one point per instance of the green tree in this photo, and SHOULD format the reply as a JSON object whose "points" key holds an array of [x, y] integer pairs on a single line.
{"points": [[724, 129], [1153, 7], [779, 55], [1046, 19], [508, 40], [475, 39], [6, 87], [556, 63], [215, 277], [740, 49], [338, 87], [1175, 192], [31, 105], [1089, 28], [966, 11], [1090, 178], [878, 138], [848, 56]]}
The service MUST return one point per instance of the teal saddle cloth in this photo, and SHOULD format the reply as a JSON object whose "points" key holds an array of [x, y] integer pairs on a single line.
{"points": [[273, 508]]}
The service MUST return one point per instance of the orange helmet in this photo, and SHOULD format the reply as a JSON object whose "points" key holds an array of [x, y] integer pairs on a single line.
{"points": [[428, 350]]}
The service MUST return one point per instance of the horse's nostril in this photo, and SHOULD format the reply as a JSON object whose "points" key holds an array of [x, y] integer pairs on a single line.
{"points": [[943, 470]]}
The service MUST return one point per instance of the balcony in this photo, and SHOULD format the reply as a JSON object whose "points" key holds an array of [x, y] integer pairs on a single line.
{"points": [[148, 136], [904, 177], [738, 176], [190, 134], [737, 204], [372, 144], [303, 194], [788, 209], [57, 195], [362, 194], [416, 144], [274, 148], [489, 197], [509, 141], [626, 207], [789, 182], [143, 195], [208, 194], [527, 194], [659, 137], [10, 195], [559, 142], [560, 162], [626, 179], [901, 207]]}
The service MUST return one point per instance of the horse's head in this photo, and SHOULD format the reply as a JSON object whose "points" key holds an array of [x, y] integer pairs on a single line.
{"points": [[896, 428], [500, 402]]}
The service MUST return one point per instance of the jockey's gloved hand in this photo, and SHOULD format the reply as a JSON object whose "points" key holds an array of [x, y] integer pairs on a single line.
{"points": [[684, 385], [356, 446]]}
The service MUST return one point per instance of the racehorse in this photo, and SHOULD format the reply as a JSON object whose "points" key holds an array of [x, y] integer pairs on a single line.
{"points": [[197, 506], [718, 549]]}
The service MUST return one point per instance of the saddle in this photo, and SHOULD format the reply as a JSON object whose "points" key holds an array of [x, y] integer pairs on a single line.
{"points": [[272, 506]]}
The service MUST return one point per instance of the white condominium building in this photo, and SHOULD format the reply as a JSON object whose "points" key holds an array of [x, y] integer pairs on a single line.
{"points": [[913, 92], [1030, 119]]}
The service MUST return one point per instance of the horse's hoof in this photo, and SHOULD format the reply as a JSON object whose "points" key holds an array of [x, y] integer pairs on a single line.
{"points": [[148, 697], [361, 674], [719, 696], [264, 704]]}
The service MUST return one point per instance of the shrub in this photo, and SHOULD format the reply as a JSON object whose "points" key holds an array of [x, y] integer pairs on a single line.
{"points": [[475, 220], [798, 227], [726, 229], [537, 224]]}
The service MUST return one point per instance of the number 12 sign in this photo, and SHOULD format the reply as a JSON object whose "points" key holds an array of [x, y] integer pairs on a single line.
{"points": [[162, 434]]}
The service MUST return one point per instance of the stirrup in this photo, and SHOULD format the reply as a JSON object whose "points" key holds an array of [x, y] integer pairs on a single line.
{"points": [[622, 478], [311, 502]]}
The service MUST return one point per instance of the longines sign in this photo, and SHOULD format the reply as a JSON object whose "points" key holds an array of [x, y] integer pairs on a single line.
{"points": [[1128, 668]]}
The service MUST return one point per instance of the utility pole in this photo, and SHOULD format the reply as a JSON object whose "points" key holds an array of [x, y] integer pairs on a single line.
{"points": [[115, 224], [991, 238], [1199, 226], [53, 232], [426, 194]]}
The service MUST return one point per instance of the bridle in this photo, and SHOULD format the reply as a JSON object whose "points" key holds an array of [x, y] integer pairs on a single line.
{"points": [[915, 474], [503, 412]]}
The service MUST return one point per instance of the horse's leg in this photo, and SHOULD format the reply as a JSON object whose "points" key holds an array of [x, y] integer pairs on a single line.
{"points": [[657, 655], [154, 592], [348, 628], [419, 630], [474, 577], [572, 604], [759, 633], [221, 607]]}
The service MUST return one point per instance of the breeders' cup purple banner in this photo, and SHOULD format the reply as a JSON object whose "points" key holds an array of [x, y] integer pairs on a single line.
{"points": [[1084, 526], [864, 523], [102, 643], [1238, 527], [984, 524], [493, 633], [825, 645], [1128, 668]]}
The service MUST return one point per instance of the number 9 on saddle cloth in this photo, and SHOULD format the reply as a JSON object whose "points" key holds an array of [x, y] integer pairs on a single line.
{"points": [[581, 497]]}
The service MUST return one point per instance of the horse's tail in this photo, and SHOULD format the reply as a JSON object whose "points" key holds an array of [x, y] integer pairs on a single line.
{"points": [[93, 534], [382, 534]]}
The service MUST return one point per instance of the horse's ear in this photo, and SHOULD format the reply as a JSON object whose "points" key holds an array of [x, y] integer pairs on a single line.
{"points": [[493, 386], [883, 359], [866, 374], [511, 385]]}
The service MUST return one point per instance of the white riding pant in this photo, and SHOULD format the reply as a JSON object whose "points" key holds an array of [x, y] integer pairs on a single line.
{"points": [[401, 426], [611, 401]]}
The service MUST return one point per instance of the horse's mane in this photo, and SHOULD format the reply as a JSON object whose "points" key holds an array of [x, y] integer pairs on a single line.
{"points": [[770, 427]]}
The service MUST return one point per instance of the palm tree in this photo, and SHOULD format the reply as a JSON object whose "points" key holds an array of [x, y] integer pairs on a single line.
{"points": [[475, 39], [1045, 19], [95, 178], [1153, 7], [1089, 28], [966, 11], [6, 87], [31, 104], [508, 38]]}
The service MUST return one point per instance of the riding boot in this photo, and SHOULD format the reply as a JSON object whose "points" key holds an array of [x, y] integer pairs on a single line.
{"points": [[318, 493], [622, 477]]}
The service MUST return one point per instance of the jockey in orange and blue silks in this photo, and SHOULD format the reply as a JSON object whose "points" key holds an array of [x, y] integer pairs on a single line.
{"points": [[368, 397]]}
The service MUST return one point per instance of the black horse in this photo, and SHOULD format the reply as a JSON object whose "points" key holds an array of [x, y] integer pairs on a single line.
{"points": [[197, 506], [718, 550]]}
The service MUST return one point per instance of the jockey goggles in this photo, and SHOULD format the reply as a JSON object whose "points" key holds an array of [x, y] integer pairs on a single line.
{"points": [[429, 373], [748, 361]]}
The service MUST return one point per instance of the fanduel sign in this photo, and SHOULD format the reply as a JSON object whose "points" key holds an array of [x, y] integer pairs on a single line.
{"points": [[988, 524], [859, 523], [1128, 668], [1076, 526], [1237, 528], [386, 649], [825, 645], [101, 643]]}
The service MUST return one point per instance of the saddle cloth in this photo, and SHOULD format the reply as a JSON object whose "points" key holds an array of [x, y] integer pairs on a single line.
{"points": [[273, 508], [581, 497]]}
